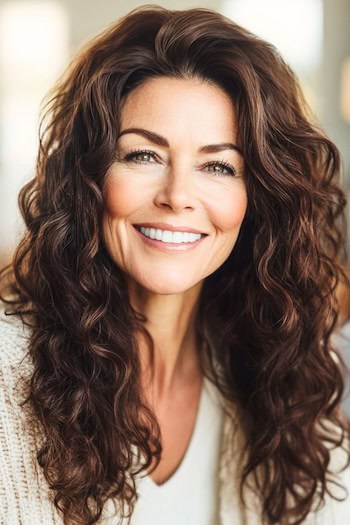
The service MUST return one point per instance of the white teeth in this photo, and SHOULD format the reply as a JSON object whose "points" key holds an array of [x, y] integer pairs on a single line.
{"points": [[169, 236]]}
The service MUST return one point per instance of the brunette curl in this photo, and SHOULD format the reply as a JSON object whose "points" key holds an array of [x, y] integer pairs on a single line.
{"points": [[265, 316]]}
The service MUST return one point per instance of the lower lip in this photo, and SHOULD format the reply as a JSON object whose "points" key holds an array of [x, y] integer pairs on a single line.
{"points": [[170, 246]]}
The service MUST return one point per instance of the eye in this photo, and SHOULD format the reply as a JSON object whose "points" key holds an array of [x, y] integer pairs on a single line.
{"points": [[139, 156], [221, 168], [225, 167]]}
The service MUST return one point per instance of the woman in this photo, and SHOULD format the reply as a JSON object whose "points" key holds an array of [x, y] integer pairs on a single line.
{"points": [[174, 291]]}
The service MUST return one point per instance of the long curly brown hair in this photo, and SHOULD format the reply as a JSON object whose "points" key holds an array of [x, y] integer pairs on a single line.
{"points": [[266, 315]]}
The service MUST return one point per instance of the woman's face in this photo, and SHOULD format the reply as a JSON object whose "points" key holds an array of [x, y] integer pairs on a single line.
{"points": [[167, 177]]}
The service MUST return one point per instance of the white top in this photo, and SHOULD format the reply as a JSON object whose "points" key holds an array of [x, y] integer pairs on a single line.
{"points": [[190, 496]]}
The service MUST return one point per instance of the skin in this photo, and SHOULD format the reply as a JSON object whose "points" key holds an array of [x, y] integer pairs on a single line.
{"points": [[174, 186]]}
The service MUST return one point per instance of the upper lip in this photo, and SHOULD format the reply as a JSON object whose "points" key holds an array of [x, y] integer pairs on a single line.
{"points": [[170, 227]]}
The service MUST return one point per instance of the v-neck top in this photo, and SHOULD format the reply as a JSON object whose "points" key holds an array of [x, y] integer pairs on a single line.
{"points": [[190, 495]]}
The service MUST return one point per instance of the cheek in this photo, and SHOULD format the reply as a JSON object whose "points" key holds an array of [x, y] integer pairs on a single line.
{"points": [[120, 196], [228, 210]]}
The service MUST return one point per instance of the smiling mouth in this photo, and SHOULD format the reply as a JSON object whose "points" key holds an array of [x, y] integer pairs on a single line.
{"points": [[167, 237]]}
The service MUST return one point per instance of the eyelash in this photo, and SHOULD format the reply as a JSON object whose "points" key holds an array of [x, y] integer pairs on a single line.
{"points": [[222, 163]]}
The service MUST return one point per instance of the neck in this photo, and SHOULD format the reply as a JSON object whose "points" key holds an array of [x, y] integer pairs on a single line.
{"points": [[170, 322]]}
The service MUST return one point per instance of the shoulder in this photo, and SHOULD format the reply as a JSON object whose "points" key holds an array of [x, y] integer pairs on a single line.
{"points": [[15, 363], [23, 496], [15, 369], [14, 337], [336, 507]]}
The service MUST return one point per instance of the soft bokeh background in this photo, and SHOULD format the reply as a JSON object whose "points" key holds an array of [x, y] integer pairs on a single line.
{"points": [[38, 37]]}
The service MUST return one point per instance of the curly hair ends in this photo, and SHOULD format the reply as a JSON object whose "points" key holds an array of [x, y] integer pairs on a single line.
{"points": [[271, 305]]}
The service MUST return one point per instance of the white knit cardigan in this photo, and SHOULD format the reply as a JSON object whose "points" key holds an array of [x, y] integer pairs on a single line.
{"points": [[25, 498]]}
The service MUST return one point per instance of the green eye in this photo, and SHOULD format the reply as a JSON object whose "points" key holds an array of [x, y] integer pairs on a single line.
{"points": [[225, 167], [221, 168], [143, 156]]}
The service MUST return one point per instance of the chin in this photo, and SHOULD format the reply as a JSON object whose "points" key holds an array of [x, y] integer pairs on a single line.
{"points": [[166, 286], [167, 289]]}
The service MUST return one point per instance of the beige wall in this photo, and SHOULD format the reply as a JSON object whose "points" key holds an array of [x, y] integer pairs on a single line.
{"points": [[336, 51]]}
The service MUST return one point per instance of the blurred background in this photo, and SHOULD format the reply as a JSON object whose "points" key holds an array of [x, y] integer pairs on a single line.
{"points": [[38, 38]]}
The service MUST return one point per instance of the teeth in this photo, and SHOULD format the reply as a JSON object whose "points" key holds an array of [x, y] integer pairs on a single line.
{"points": [[169, 236]]}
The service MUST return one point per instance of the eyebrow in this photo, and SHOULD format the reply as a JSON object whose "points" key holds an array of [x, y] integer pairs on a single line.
{"points": [[162, 141]]}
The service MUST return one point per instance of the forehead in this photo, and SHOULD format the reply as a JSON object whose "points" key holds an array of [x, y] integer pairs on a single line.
{"points": [[180, 108]]}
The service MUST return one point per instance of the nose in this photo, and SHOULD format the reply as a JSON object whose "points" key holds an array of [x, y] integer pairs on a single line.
{"points": [[176, 190]]}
